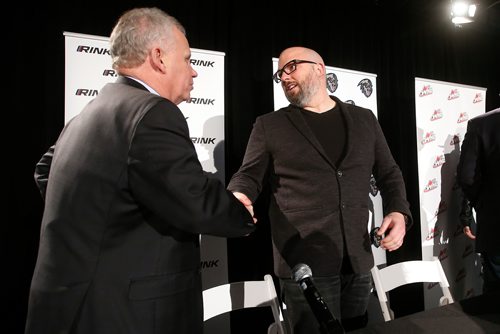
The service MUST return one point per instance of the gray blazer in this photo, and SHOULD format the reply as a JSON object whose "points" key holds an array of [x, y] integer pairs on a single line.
{"points": [[125, 201], [316, 206]]}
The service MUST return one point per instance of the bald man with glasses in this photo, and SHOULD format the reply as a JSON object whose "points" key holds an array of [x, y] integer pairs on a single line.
{"points": [[318, 155]]}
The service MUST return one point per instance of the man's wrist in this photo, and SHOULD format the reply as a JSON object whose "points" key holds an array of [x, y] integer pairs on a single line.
{"points": [[407, 220]]}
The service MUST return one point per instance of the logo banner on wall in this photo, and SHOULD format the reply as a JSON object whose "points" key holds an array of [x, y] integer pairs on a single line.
{"points": [[358, 88], [442, 111], [88, 69]]}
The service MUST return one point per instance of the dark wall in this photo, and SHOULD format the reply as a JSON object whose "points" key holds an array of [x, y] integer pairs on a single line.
{"points": [[397, 40]]}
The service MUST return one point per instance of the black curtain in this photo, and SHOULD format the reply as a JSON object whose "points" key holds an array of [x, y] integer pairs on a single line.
{"points": [[397, 40]]}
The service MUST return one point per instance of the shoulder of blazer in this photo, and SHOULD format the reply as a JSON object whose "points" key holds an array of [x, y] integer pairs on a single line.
{"points": [[135, 90], [276, 113], [487, 117], [353, 112], [348, 106], [130, 82]]}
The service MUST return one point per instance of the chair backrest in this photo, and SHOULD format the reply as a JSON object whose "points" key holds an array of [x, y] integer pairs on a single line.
{"points": [[402, 273], [246, 294]]}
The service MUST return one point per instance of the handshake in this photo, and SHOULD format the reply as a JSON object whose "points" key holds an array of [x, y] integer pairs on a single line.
{"points": [[246, 202]]}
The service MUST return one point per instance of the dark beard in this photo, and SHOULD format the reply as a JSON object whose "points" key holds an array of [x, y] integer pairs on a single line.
{"points": [[306, 91], [296, 99]]}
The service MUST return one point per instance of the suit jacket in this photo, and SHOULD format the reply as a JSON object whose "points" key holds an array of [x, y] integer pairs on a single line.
{"points": [[317, 208], [125, 202], [479, 177]]}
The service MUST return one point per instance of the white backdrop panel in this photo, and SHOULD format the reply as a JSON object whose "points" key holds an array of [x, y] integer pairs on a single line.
{"points": [[442, 111], [88, 69]]}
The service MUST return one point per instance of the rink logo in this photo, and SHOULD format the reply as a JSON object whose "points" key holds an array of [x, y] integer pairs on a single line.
{"points": [[478, 98], [366, 87], [209, 264], [463, 117], [109, 73], [92, 50], [373, 186], [429, 137], [432, 234], [437, 114], [203, 140], [199, 100], [203, 63], [426, 90], [440, 160], [431, 185], [332, 82], [454, 94], [86, 92]]}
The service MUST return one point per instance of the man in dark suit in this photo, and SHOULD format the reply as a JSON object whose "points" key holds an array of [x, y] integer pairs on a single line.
{"points": [[319, 154], [126, 199], [479, 177]]}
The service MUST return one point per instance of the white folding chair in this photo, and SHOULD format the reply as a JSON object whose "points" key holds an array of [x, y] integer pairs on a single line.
{"points": [[246, 294], [402, 273]]}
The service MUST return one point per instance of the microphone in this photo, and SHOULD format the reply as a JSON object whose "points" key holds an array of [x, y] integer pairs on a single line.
{"points": [[302, 274]]}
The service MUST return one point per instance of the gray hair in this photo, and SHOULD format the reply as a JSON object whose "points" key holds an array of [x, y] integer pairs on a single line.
{"points": [[136, 31]]}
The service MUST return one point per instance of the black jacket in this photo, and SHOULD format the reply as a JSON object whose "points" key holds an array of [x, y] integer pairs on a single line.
{"points": [[316, 206], [125, 201], [479, 177]]}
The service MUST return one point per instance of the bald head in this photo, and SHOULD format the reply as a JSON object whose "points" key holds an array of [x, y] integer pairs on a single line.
{"points": [[298, 52], [304, 80]]}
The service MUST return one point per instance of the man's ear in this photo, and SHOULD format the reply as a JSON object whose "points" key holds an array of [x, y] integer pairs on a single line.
{"points": [[157, 56], [321, 68]]}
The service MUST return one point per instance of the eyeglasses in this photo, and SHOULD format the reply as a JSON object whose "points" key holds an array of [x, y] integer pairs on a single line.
{"points": [[289, 68]]}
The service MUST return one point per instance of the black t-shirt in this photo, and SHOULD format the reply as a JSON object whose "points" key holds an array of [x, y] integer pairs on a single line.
{"points": [[330, 130]]}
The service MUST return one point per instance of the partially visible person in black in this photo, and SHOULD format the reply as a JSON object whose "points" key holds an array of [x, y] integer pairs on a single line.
{"points": [[479, 177]]}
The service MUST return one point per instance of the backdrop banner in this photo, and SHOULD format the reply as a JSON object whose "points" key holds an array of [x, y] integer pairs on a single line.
{"points": [[442, 111], [358, 88], [88, 69]]}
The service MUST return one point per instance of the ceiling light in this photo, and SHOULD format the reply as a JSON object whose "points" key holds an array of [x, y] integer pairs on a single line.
{"points": [[462, 12]]}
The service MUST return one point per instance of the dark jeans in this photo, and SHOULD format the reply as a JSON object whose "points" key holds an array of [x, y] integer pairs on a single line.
{"points": [[491, 272], [346, 295]]}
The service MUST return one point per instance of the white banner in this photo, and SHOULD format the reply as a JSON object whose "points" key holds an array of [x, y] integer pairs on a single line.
{"points": [[358, 88], [442, 111], [88, 69]]}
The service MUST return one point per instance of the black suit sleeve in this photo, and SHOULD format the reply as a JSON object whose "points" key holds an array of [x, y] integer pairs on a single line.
{"points": [[42, 170], [166, 177], [468, 169]]}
